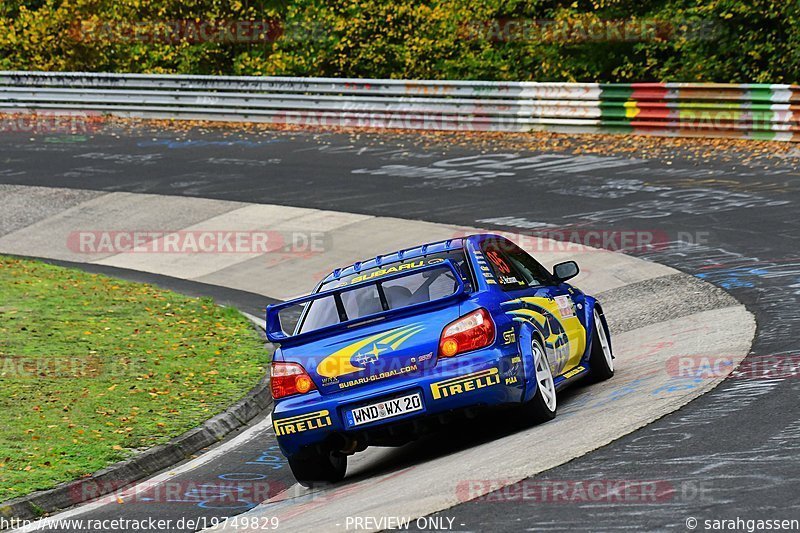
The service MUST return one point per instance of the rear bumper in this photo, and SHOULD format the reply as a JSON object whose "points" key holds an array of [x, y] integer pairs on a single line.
{"points": [[488, 377]]}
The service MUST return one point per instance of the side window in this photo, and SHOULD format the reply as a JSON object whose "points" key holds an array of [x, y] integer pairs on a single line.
{"points": [[513, 267], [504, 270], [535, 273]]}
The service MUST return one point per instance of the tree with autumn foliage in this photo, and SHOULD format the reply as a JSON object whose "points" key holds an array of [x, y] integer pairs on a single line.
{"points": [[544, 40]]}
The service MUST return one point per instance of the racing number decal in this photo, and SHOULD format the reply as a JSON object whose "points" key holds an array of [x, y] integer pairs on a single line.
{"points": [[499, 262]]}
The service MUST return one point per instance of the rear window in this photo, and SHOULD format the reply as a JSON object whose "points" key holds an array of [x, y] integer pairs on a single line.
{"points": [[426, 286], [456, 257]]}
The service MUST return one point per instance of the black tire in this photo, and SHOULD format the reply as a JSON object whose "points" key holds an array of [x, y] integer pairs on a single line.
{"points": [[318, 466], [601, 365], [536, 410]]}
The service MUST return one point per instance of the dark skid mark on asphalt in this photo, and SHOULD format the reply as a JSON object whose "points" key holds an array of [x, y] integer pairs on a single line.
{"points": [[732, 452]]}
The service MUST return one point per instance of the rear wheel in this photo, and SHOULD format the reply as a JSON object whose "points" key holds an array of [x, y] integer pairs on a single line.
{"points": [[318, 466], [542, 407], [601, 360]]}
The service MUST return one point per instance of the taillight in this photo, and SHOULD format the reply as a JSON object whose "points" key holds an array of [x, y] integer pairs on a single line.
{"points": [[288, 379], [470, 332]]}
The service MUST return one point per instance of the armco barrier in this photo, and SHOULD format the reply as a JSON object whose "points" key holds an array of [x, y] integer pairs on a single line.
{"points": [[757, 111]]}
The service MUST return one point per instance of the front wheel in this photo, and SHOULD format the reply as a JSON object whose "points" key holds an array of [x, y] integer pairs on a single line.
{"points": [[542, 407], [601, 360], [318, 466]]}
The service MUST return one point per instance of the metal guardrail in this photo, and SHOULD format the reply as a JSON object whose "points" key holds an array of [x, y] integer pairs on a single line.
{"points": [[759, 111]]}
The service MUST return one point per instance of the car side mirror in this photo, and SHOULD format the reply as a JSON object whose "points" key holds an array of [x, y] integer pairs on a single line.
{"points": [[566, 270]]}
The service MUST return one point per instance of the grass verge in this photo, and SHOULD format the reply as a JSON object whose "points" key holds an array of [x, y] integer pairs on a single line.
{"points": [[94, 369]]}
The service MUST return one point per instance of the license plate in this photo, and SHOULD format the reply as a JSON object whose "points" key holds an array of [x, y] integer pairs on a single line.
{"points": [[384, 410]]}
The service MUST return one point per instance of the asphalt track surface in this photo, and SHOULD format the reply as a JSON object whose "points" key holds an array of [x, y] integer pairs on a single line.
{"points": [[427, 476], [731, 453]]}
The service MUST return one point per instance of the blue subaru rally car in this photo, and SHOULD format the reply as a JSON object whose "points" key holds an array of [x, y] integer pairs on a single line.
{"points": [[385, 348]]}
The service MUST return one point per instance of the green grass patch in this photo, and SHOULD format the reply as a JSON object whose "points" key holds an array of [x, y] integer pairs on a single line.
{"points": [[94, 369]]}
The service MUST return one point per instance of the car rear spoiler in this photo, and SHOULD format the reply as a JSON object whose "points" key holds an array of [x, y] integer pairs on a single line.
{"points": [[275, 332]]}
